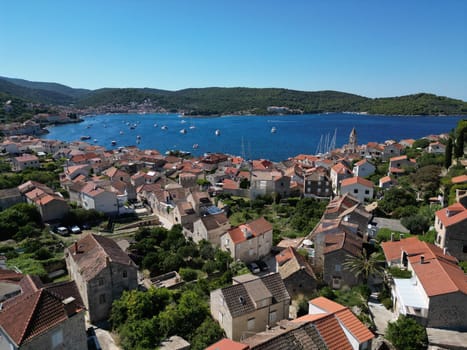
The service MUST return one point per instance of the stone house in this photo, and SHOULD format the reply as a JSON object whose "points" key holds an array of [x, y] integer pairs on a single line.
{"points": [[360, 188], [386, 182], [10, 197], [296, 272], [363, 168], [338, 173], [398, 165], [250, 305], [43, 317], [337, 248], [451, 228], [50, 205], [92, 196], [390, 150], [436, 294], [25, 161], [102, 271], [317, 184], [266, 182], [248, 242], [436, 148], [210, 228]]}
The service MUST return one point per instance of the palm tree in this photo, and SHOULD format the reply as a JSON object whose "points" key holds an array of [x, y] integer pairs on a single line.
{"points": [[364, 265]]}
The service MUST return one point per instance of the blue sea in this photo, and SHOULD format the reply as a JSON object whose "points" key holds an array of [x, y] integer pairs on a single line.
{"points": [[249, 136]]}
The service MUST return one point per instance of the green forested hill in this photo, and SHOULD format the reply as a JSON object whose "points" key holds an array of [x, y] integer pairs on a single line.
{"points": [[52, 87], [215, 100], [34, 95], [418, 104]]}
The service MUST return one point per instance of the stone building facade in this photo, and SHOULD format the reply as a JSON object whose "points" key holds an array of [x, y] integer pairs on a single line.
{"points": [[102, 271]]}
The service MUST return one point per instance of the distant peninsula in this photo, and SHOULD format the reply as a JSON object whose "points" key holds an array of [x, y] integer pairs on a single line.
{"points": [[18, 95]]}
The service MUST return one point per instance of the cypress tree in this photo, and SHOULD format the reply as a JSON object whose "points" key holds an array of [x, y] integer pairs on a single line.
{"points": [[448, 154], [459, 148]]}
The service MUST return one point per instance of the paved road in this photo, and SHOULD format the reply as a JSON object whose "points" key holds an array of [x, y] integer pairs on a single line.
{"points": [[105, 340], [381, 316]]}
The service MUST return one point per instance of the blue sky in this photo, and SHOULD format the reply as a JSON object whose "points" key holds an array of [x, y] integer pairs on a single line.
{"points": [[372, 48]]}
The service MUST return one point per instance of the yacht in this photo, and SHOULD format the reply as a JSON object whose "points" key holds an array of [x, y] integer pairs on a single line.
{"points": [[85, 138], [217, 132]]}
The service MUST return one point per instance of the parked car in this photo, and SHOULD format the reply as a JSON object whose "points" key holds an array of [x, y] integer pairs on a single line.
{"points": [[62, 230], [262, 265], [253, 267], [75, 229]]}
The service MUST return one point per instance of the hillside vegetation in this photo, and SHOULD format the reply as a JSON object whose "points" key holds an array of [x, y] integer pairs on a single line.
{"points": [[216, 101]]}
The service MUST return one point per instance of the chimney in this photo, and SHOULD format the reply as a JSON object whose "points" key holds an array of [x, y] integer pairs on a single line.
{"points": [[422, 259], [69, 305], [445, 250], [392, 236]]}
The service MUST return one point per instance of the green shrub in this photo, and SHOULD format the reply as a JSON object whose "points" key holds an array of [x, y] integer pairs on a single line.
{"points": [[399, 273]]}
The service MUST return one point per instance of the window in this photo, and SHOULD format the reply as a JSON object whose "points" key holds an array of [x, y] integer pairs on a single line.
{"points": [[221, 317], [336, 282], [367, 191], [102, 299], [338, 268], [355, 190], [100, 281], [57, 338], [464, 249], [251, 324], [438, 239], [272, 317], [125, 274]]}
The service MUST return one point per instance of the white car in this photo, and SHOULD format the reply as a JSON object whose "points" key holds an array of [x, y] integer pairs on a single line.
{"points": [[75, 229]]}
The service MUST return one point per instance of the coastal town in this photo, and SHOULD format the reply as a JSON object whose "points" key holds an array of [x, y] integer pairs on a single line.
{"points": [[362, 247]]}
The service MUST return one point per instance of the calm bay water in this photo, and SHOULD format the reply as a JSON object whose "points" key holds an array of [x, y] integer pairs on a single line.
{"points": [[250, 136]]}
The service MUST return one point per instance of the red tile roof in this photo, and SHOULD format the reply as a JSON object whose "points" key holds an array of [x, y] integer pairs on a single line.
{"points": [[227, 344], [256, 227], [327, 305], [94, 254], [357, 180], [439, 274], [345, 316], [30, 315], [459, 179], [452, 215], [332, 333]]}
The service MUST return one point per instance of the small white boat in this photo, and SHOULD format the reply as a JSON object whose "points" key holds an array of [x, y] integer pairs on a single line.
{"points": [[164, 127], [155, 125], [121, 132], [114, 143], [85, 138], [273, 129], [195, 146], [183, 121], [183, 131], [217, 132], [95, 140]]}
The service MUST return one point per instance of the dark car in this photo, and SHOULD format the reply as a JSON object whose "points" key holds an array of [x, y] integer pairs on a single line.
{"points": [[253, 267], [262, 265]]}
